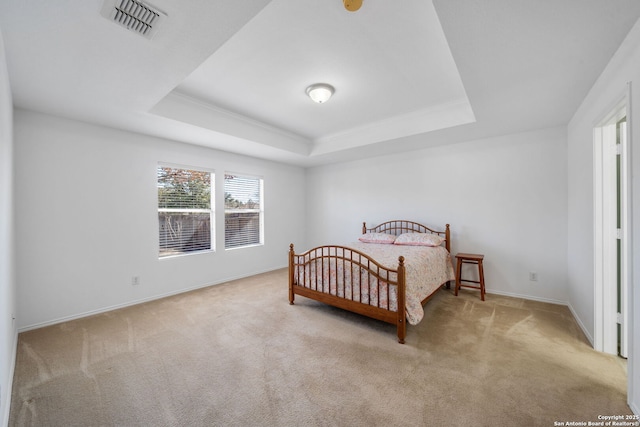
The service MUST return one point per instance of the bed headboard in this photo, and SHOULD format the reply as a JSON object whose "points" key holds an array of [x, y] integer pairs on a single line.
{"points": [[398, 227]]}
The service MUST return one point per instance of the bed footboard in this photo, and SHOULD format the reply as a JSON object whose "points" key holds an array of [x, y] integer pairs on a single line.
{"points": [[351, 280]]}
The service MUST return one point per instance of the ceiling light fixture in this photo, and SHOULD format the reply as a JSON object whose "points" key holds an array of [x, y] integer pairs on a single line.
{"points": [[352, 5], [320, 92]]}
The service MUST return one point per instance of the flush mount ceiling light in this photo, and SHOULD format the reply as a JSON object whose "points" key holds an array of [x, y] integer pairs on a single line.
{"points": [[352, 5], [320, 92]]}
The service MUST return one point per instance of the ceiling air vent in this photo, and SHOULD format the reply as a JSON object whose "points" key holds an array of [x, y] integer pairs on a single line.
{"points": [[137, 16]]}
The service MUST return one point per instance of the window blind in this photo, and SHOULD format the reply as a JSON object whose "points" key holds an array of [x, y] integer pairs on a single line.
{"points": [[185, 214], [243, 211]]}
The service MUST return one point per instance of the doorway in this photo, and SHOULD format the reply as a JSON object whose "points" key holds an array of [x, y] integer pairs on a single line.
{"points": [[611, 239]]}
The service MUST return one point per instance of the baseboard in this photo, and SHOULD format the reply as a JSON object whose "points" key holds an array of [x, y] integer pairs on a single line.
{"points": [[7, 390], [528, 297], [579, 322], [140, 301]]}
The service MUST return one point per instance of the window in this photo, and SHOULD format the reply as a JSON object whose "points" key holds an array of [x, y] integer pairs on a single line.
{"points": [[243, 211], [185, 213]]}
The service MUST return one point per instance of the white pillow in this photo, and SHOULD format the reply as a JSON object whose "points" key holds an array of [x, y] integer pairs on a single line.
{"points": [[381, 238], [419, 239]]}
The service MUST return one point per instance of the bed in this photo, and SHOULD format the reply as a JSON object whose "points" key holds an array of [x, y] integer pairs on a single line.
{"points": [[389, 274]]}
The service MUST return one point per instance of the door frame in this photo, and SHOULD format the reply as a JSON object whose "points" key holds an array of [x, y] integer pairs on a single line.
{"points": [[606, 316]]}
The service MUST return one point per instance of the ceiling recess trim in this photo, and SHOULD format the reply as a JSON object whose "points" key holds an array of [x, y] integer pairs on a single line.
{"points": [[137, 16]]}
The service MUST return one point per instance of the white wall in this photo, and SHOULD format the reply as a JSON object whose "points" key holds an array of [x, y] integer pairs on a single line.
{"points": [[505, 197], [608, 90], [86, 203], [8, 332]]}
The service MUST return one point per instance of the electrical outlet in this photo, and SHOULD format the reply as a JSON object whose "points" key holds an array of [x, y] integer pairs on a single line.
{"points": [[135, 280], [533, 276]]}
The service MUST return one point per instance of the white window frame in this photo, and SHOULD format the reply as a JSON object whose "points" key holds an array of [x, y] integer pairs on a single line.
{"points": [[259, 210], [210, 211]]}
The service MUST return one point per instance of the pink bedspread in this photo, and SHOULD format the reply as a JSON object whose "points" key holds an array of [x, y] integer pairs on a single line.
{"points": [[427, 268]]}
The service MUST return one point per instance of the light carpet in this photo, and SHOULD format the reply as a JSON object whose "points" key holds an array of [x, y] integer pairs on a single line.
{"points": [[237, 354]]}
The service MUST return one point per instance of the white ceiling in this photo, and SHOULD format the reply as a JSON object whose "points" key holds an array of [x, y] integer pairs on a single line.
{"points": [[232, 75]]}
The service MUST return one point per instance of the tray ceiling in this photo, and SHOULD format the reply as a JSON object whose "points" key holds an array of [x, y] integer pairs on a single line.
{"points": [[232, 75]]}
